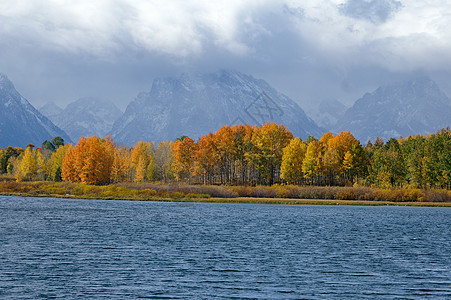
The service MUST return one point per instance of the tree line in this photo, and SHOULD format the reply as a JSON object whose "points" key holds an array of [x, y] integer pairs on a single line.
{"points": [[241, 155]]}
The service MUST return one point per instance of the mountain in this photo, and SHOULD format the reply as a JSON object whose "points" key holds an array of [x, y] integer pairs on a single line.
{"points": [[50, 109], [415, 106], [327, 113], [20, 122], [84, 117], [196, 104]]}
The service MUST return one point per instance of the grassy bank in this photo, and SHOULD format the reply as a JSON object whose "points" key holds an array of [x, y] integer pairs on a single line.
{"points": [[229, 194]]}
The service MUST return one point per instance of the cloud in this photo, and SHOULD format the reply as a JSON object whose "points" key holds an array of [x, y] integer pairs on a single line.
{"points": [[376, 11], [305, 47], [178, 28], [375, 31], [396, 35]]}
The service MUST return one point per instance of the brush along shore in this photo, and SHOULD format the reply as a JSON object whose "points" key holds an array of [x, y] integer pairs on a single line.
{"points": [[276, 194]]}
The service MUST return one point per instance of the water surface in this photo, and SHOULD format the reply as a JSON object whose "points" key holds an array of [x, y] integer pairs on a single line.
{"points": [[52, 248]]}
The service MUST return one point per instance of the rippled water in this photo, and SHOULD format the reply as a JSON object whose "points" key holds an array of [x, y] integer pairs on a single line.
{"points": [[121, 249]]}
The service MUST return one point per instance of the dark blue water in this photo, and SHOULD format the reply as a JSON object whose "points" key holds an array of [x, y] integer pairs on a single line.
{"points": [[52, 248]]}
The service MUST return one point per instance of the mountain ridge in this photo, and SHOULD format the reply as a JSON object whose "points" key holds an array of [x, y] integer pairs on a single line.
{"points": [[84, 117], [20, 122], [414, 106], [195, 104]]}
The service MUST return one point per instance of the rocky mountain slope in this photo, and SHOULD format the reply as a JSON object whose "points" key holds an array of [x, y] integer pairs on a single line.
{"points": [[415, 106], [196, 104], [84, 117], [20, 122]]}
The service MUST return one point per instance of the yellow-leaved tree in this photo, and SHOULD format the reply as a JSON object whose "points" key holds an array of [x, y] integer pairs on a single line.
{"points": [[30, 165], [142, 161], [292, 160], [163, 161], [313, 165], [268, 142], [55, 164]]}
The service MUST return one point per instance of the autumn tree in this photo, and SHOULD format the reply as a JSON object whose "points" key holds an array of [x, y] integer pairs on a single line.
{"points": [[355, 163], [292, 160], [331, 165], [142, 161], [56, 163], [30, 165], [268, 143], [90, 161], [121, 168], [163, 161], [312, 165], [344, 150], [437, 167], [5, 158], [207, 157], [242, 147], [3, 161], [184, 154], [225, 146]]}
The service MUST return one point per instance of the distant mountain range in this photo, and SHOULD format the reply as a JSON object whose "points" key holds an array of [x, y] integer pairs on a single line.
{"points": [[84, 117], [20, 122], [196, 104], [415, 106]]}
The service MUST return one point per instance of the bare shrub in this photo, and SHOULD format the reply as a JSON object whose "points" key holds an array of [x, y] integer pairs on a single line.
{"points": [[438, 195]]}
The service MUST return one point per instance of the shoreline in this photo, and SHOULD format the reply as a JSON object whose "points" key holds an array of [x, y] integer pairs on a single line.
{"points": [[241, 200]]}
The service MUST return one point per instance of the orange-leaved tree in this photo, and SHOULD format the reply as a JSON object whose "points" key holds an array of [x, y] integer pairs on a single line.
{"points": [[184, 154], [121, 168], [90, 161], [207, 157]]}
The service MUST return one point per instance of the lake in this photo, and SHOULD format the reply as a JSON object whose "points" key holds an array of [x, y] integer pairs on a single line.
{"points": [[66, 248]]}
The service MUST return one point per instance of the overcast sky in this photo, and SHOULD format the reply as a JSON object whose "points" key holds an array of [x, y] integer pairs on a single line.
{"points": [[55, 50]]}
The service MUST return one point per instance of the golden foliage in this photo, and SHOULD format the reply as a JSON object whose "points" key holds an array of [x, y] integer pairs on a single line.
{"points": [[90, 161]]}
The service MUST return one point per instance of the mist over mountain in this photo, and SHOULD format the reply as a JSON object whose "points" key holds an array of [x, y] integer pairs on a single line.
{"points": [[84, 117], [415, 106], [20, 122], [196, 104]]}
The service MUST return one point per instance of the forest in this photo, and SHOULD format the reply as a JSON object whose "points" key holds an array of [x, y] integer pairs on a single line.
{"points": [[241, 155]]}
